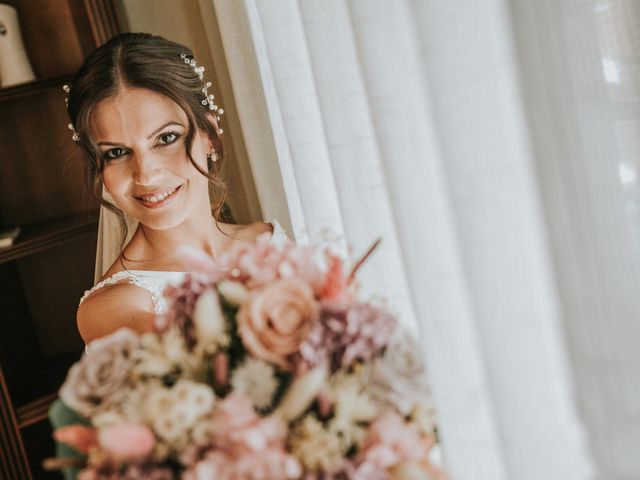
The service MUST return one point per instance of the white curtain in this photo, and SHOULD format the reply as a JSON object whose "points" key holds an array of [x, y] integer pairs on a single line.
{"points": [[493, 146]]}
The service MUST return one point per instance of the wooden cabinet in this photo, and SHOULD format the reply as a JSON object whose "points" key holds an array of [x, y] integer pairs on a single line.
{"points": [[42, 190]]}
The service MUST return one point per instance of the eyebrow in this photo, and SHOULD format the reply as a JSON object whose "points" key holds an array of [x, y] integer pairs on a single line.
{"points": [[150, 135]]}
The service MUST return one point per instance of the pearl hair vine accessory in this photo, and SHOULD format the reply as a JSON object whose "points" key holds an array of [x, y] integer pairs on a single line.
{"points": [[207, 101], [75, 137], [208, 98]]}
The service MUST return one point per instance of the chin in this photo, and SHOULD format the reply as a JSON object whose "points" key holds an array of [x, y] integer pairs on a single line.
{"points": [[162, 222]]}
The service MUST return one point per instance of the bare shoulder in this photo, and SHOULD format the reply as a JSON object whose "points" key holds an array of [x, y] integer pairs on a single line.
{"points": [[113, 307], [251, 231]]}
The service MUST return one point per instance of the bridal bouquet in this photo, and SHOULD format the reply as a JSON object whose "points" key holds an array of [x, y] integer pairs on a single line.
{"points": [[266, 366]]}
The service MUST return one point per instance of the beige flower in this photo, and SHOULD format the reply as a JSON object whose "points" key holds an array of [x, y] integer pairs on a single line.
{"points": [[174, 412], [101, 372], [164, 354], [315, 447], [276, 319], [257, 379]]}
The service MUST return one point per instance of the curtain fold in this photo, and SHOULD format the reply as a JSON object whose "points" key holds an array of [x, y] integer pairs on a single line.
{"points": [[492, 145]]}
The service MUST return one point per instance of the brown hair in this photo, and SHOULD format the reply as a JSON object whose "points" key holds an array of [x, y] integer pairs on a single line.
{"points": [[142, 60]]}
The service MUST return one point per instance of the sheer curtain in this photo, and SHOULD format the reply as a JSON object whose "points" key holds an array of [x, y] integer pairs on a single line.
{"points": [[493, 146]]}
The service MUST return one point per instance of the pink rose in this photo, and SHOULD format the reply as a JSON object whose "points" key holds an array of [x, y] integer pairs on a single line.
{"points": [[127, 441], [389, 442], [276, 319]]}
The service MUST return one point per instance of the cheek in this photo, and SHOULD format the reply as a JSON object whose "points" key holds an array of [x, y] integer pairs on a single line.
{"points": [[115, 181]]}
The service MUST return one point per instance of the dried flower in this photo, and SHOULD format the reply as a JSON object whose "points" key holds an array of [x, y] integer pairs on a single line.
{"points": [[276, 319], [210, 322], [101, 373], [301, 393], [79, 437], [345, 334], [233, 292], [181, 301], [257, 380]]}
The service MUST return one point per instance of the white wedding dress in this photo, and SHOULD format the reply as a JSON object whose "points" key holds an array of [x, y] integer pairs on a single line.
{"points": [[155, 281]]}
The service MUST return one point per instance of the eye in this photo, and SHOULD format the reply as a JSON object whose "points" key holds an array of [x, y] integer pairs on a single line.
{"points": [[169, 138], [113, 153]]}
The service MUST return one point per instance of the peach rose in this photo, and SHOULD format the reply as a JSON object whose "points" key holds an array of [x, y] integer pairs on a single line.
{"points": [[276, 319]]}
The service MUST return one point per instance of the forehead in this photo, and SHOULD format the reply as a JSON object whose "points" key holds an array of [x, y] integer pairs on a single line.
{"points": [[132, 112]]}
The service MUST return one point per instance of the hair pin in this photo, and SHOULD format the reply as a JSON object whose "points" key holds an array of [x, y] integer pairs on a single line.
{"points": [[208, 98]]}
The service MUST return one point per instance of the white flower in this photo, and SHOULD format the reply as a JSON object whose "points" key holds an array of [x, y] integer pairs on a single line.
{"points": [[398, 378], [233, 292], [353, 407], [257, 380], [315, 447]]}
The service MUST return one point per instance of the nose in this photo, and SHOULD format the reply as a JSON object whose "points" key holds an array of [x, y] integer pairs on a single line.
{"points": [[147, 169]]}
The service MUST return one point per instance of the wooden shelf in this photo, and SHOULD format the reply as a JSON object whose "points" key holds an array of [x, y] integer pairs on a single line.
{"points": [[35, 411], [32, 88], [42, 236]]}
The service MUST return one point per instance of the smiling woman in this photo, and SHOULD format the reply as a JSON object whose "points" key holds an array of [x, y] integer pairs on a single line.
{"points": [[141, 112]]}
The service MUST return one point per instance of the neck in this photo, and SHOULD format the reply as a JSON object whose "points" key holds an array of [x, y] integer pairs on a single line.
{"points": [[158, 247]]}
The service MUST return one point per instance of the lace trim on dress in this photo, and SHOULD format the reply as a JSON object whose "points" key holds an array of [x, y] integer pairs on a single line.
{"points": [[159, 305]]}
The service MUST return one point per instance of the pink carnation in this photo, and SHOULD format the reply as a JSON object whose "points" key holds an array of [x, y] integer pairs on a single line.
{"points": [[246, 446], [127, 441], [261, 263]]}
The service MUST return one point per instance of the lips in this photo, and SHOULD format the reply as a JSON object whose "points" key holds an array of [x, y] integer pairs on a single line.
{"points": [[158, 199]]}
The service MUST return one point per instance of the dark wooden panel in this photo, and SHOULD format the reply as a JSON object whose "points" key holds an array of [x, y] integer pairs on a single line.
{"points": [[39, 445], [41, 169], [53, 283], [50, 37], [19, 351], [13, 463], [42, 236]]}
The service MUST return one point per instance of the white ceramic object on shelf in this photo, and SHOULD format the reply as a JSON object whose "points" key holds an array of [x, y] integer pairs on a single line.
{"points": [[14, 64]]}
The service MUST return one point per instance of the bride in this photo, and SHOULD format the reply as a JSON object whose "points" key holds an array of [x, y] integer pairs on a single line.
{"points": [[148, 127]]}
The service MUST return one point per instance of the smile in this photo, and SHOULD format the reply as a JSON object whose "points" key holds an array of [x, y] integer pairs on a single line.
{"points": [[157, 199]]}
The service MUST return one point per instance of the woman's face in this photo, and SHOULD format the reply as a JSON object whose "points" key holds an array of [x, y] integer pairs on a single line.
{"points": [[140, 135]]}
